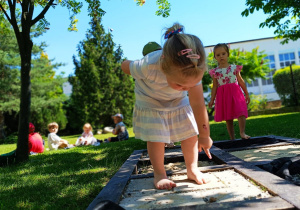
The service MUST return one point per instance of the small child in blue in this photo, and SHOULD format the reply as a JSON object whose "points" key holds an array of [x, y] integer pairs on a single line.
{"points": [[120, 129], [169, 103]]}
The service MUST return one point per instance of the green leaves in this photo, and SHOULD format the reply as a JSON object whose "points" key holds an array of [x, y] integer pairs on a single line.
{"points": [[284, 86], [164, 8], [283, 15]]}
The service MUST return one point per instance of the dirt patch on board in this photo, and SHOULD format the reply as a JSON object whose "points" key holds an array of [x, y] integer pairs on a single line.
{"points": [[174, 166]]}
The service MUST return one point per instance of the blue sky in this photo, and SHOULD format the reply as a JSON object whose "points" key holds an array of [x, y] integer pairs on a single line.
{"points": [[213, 21]]}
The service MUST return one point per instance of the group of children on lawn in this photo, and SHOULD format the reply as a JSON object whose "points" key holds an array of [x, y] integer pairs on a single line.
{"points": [[36, 143]]}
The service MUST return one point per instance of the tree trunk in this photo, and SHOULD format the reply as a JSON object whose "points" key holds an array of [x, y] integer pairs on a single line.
{"points": [[22, 145]]}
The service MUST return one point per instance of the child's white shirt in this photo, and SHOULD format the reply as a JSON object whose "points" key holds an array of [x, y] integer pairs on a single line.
{"points": [[53, 140], [89, 137]]}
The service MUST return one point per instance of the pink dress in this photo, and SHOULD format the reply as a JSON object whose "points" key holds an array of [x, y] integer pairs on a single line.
{"points": [[230, 101]]}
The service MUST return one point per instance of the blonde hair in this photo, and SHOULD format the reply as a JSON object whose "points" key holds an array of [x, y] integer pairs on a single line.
{"points": [[188, 66], [52, 125], [88, 126]]}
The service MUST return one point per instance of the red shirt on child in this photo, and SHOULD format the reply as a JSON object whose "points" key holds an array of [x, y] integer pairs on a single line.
{"points": [[35, 140], [35, 143]]}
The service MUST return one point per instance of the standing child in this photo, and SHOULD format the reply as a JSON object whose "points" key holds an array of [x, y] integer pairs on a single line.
{"points": [[163, 111], [120, 129], [87, 137], [230, 101], [54, 141]]}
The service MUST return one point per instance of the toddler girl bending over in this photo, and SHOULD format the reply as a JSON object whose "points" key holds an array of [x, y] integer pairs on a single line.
{"points": [[169, 103]]}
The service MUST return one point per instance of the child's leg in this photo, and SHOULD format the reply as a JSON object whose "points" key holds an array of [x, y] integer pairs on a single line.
{"points": [[230, 128], [78, 142], [62, 144], [156, 151], [242, 125], [189, 149]]}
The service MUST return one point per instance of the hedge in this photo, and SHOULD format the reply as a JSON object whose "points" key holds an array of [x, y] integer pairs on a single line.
{"points": [[283, 84]]}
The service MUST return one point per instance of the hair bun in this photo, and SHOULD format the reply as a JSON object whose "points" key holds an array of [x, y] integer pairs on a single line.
{"points": [[170, 34]]}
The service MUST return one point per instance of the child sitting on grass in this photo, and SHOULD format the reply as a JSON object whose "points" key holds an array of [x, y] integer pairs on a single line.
{"points": [[35, 141], [54, 141], [120, 129], [87, 137]]}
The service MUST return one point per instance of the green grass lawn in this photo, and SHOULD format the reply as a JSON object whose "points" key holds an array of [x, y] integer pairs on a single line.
{"points": [[71, 179]]}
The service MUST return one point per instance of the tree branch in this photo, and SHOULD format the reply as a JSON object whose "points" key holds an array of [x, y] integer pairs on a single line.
{"points": [[41, 15], [6, 15], [30, 13], [13, 20]]}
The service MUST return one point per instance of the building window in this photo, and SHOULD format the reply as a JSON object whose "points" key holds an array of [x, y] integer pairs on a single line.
{"points": [[271, 63], [286, 59], [254, 83]]}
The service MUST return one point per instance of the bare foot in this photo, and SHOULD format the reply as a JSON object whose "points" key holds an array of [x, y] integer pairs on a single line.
{"points": [[198, 177], [163, 183], [245, 136]]}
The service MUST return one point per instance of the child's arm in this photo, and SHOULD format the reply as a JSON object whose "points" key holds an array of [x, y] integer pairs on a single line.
{"points": [[90, 134], [213, 92], [117, 130], [198, 105], [125, 66], [243, 86]]}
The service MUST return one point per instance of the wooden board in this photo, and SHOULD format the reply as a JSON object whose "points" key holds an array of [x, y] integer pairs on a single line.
{"points": [[286, 195]]}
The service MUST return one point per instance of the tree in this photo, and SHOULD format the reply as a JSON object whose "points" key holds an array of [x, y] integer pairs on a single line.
{"points": [[100, 88], [47, 94], [287, 85], [14, 10], [284, 15], [9, 62]]}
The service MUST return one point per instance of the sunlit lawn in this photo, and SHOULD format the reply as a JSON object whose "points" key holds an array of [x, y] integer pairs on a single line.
{"points": [[72, 178]]}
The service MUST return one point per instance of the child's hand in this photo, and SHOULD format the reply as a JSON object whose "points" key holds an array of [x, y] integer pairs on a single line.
{"points": [[205, 144], [247, 99], [210, 104]]}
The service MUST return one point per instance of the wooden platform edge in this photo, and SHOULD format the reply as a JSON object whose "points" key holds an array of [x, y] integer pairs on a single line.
{"points": [[275, 185], [114, 188], [264, 203]]}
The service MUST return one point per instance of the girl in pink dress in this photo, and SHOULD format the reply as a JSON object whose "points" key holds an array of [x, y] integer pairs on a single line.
{"points": [[230, 101]]}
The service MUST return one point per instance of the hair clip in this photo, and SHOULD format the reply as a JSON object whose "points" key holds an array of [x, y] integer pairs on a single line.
{"points": [[193, 56], [183, 52], [186, 51], [168, 35]]}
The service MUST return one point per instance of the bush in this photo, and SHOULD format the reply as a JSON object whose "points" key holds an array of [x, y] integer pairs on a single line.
{"points": [[283, 84], [257, 102], [11, 139]]}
